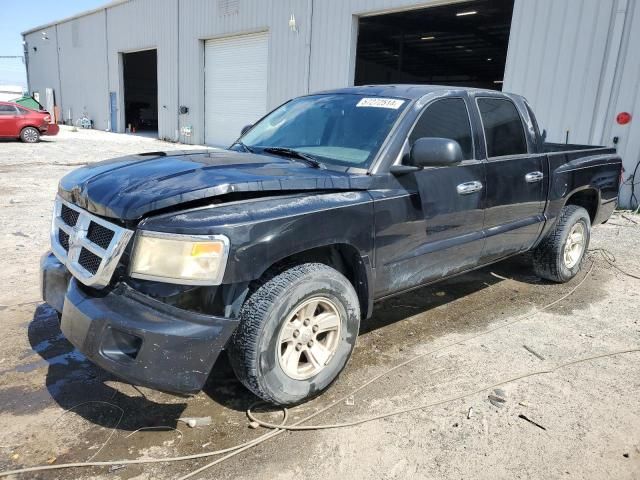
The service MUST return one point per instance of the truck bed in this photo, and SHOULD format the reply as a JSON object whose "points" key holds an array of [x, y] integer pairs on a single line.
{"points": [[571, 147]]}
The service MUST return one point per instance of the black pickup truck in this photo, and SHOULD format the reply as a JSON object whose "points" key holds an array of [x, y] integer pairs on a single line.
{"points": [[277, 248]]}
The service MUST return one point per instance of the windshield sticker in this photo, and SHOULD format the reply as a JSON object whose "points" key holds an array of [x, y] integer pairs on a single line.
{"points": [[392, 103]]}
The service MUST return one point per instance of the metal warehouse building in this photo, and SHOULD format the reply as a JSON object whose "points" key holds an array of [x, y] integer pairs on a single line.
{"points": [[197, 71]]}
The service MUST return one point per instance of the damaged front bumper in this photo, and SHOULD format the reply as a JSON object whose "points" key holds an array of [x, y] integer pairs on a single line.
{"points": [[137, 338]]}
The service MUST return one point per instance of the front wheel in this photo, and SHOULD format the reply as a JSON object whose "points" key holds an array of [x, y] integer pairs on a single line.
{"points": [[560, 254], [297, 331]]}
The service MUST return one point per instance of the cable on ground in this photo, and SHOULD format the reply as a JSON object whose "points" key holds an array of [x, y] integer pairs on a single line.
{"points": [[610, 258], [423, 406]]}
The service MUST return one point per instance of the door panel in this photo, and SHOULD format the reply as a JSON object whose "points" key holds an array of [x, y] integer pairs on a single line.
{"points": [[8, 121], [515, 181], [437, 230], [432, 233], [515, 205], [6, 125], [454, 218]]}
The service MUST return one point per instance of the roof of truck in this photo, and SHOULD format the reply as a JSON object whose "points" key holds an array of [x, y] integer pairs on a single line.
{"points": [[408, 91]]}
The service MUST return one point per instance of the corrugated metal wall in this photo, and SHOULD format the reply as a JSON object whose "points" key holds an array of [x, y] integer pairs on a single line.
{"points": [[573, 61], [334, 38], [205, 19], [83, 68], [42, 62], [556, 54], [313, 57], [147, 24], [625, 97]]}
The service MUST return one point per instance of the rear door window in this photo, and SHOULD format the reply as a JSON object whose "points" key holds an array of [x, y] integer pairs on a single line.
{"points": [[446, 118], [503, 127], [7, 110]]}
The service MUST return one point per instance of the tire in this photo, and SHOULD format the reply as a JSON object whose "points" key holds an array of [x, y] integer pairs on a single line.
{"points": [[551, 259], [258, 353], [30, 135]]}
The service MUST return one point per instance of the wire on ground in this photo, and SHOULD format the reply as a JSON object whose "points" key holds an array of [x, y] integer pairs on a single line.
{"points": [[610, 258]]}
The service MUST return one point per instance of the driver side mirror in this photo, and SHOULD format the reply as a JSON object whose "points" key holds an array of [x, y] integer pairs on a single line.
{"points": [[434, 152], [245, 129]]}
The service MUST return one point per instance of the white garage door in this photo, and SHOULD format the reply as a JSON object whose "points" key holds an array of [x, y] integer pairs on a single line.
{"points": [[235, 86]]}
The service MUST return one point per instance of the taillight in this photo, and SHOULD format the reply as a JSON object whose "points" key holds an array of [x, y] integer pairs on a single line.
{"points": [[47, 118]]}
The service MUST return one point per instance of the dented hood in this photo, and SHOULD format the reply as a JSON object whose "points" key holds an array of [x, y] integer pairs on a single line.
{"points": [[128, 188]]}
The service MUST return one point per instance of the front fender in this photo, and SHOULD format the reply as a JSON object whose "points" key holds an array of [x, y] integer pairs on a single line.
{"points": [[264, 231]]}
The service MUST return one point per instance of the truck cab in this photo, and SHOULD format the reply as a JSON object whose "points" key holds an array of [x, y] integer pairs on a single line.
{"points": [[486, 204]]}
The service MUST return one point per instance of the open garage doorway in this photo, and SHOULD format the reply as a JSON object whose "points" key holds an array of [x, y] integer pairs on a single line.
{"points": [[463, 44], [140, 81]]}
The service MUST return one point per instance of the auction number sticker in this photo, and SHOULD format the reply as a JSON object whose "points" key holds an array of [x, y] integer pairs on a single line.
{"points": [[376, 102]]}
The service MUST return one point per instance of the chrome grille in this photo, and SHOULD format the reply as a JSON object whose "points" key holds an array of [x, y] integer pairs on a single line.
{"points": [[89, 246], [69, 216], [100, 235], [89, 261], [63, 238]]}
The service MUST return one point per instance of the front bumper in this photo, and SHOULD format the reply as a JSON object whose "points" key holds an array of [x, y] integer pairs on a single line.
{"points": [[135, 337]]}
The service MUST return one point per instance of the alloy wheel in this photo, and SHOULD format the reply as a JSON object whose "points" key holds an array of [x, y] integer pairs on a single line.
{"points": [[309, 338], [574, 246]]}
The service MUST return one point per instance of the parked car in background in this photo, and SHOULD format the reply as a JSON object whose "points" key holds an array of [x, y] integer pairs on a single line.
{"points": [[17, 121]]}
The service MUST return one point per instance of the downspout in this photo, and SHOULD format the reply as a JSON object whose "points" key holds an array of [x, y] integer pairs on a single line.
{"points": [[106, 46], [59, 77], [25, 50], [178, 70]]}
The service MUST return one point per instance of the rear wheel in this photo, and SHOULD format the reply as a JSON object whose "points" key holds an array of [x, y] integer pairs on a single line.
{"points": [[30, 135], [560, 254], [297, 331]]}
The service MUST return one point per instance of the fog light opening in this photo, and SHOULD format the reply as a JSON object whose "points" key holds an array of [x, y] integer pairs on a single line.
{"points": [[120, 346]]}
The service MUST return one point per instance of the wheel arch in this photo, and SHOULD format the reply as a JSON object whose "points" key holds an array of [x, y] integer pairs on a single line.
{"points": [[587, 198], [32, 125], [343, 257]]}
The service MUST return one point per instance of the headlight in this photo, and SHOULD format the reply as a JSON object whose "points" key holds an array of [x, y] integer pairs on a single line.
{"points": [[182, 259]]}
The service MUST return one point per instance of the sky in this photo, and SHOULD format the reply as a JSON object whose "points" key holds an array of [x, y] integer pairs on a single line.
{"points": [[20, 15]]}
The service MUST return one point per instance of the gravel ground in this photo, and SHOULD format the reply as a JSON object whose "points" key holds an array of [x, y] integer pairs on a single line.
{"points": [[489, 327]]}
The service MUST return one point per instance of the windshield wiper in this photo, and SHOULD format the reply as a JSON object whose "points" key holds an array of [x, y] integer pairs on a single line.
{"points": [[295, 154], [244, 147]]}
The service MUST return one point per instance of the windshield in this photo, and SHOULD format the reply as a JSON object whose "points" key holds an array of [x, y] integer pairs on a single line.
{"points": [[338, 129]]}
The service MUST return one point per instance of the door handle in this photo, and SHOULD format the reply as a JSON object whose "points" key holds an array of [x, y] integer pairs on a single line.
{"points": [[533, 177], [469, 187]]}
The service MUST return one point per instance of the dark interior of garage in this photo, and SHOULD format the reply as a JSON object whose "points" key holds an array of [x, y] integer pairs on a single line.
{"points": [[140, 78], [463, 44]]}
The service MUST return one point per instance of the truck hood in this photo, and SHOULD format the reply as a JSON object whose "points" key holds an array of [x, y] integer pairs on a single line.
{"points": [[128, 188]]}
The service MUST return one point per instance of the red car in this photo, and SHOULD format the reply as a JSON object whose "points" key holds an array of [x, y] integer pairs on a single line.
{"points": [[25, 123]]}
